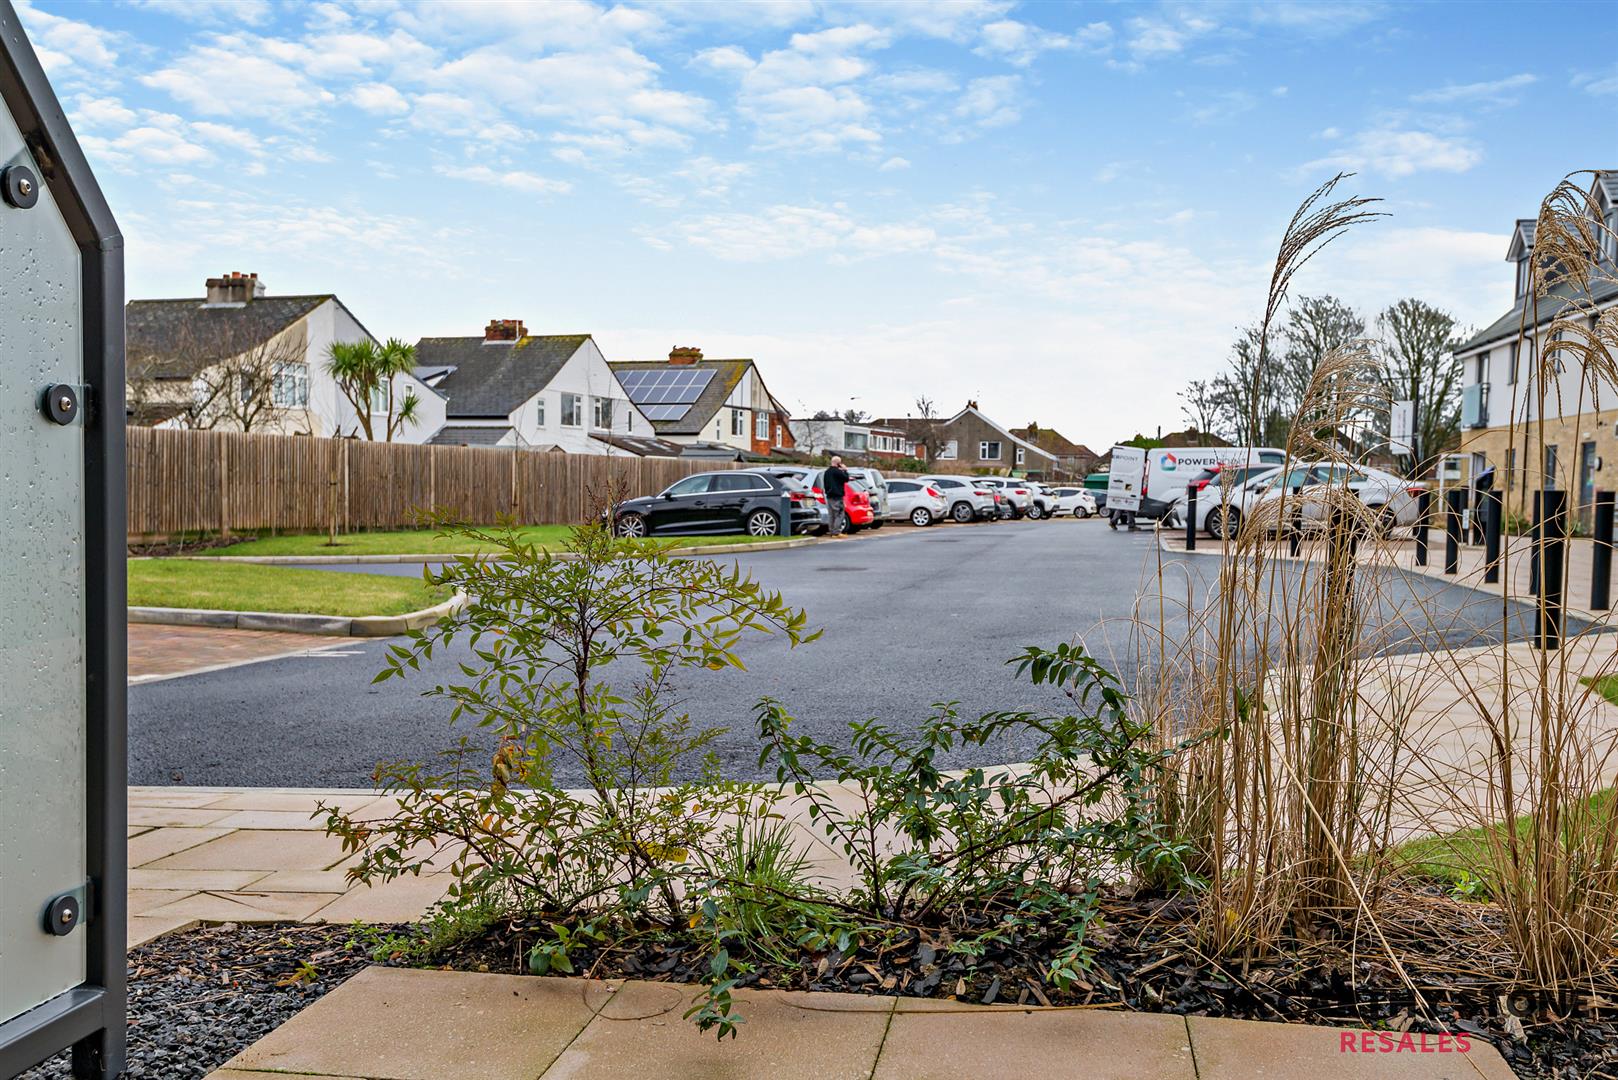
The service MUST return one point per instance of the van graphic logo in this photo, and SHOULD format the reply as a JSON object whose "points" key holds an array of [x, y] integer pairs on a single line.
{"points": [[1169, 462]]}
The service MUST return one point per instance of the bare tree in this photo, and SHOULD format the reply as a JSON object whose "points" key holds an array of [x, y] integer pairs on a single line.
{"points": [[1200, 402], [1248, 395], [922, 425], [1417, 343], [208, 377]]}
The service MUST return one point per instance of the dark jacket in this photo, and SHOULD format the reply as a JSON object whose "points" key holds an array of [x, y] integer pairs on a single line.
{"points": [[835, 481]]}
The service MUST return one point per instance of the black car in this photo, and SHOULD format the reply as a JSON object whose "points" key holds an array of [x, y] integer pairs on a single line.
{"points": [[718, 502]]}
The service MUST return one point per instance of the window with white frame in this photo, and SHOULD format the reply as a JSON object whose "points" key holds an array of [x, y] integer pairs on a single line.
{"points": [[539, 410], [988, 451], [948, 451], [379, 397], [1020, 455], [738, 422], [290, 386], [602, 412], [761, 426], [572, 410]]}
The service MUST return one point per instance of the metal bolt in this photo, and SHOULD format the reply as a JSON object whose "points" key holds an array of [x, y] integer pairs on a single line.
{"points": [[24, 187], [67, 915], [65, 404]]}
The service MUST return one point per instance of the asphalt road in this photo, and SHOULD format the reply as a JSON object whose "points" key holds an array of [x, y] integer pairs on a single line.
{"points": [[912, 617]]}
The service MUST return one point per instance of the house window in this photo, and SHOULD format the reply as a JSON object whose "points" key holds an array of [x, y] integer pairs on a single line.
{"points": [[572, 410], [761, 427], [988, 451], [290, 387], [1019, 455], [603, 412], [539, 410], [856, 441], [1511, 366], [738, 422], [379, 398], [948, 451]]}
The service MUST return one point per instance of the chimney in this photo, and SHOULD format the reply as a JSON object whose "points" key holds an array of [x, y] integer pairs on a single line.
{"points": [[971, 404], [684, 354], [504, 330], [233, 288]]}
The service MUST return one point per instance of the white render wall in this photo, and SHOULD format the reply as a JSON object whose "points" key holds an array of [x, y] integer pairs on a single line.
{"points": [[329, 323], [586, 373]]}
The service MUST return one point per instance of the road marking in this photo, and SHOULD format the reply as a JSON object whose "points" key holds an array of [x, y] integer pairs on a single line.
{"points": [[317, 651]]}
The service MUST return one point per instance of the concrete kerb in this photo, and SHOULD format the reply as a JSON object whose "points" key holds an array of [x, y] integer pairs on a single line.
{"points": [[287, 622]]}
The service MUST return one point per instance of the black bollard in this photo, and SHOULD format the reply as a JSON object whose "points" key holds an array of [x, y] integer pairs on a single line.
{"points": [[1601, 567], [1295, 530], [1533, 547], [1493, 511], [1424, 509], [1191, 517], [1455, 506], [1551, 561]]}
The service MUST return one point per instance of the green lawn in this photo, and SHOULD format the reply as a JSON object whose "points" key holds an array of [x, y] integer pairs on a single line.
{"points": [[428, 542], [187, 583]]}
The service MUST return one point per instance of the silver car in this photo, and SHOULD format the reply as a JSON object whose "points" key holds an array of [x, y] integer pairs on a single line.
{"points": [[1018, 495], [917, 501], [968, 500], [876, 486]]}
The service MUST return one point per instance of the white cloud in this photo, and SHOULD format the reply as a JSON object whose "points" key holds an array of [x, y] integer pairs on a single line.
{"points": [[232, 12], [514, 179], [1398, 152], [101, 112], [1022, 43], [893, 164], [783, 232], [379, 98], [232, 76], [1496, 91], [992, 101], [67, 45], [1604, 83], [1221, 106]]}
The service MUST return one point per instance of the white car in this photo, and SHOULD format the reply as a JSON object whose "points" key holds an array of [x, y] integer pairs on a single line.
{"points": [[1018, 495], [1080, 502], [1393, 499], [876, 486], [1222, 505], [916, 501], [968, 500]]}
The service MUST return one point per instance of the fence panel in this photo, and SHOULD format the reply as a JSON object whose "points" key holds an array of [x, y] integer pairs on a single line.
{"points": [[214, 481]]}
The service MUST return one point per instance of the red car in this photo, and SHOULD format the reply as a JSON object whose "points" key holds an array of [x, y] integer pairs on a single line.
{"points": [[857, 505]]}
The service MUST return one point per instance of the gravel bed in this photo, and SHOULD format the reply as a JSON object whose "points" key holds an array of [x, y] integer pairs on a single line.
{"points": [[199, 997]]}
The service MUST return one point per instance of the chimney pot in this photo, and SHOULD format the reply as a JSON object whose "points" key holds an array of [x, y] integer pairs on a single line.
{"points": [[684, 354], [504, 330]]}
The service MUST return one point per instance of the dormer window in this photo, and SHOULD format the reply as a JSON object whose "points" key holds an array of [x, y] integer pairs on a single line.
{"points": [[1524, 277], [1521, 252]]}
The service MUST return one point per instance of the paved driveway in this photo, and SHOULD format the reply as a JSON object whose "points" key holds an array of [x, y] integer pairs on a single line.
{"points": [[912, 617]]}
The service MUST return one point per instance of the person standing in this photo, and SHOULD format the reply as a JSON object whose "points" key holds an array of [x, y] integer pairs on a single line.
{"points": [[835, 484]]}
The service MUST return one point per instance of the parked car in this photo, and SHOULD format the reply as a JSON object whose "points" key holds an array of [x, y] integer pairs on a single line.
{"points": [[1222, 506], [1019, 498], [1080, 502], [1043, 506], [876, 486], [968, 500], [812, 477], [717, 502], [1393, 499], [857, 507], [916, 501]]}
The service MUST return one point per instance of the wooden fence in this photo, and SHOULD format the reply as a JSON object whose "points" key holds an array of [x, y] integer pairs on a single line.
{"points": [[217, 481]]}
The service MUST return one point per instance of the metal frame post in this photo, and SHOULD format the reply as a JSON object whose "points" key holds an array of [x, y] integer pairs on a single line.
{"points": [[89, 1018], [1493, 513], [1551, 560], [1601, 554]]}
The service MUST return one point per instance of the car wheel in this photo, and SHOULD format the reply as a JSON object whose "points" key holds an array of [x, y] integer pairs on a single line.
{"points": [[1223, 524], [763, 523], [1080, 512], [1036, 512], [962, 512], [877, 524], [632, 526], [921, 517], [1387, 519]]}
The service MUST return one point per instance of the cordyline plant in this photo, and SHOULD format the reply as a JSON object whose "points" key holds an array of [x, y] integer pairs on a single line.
{"points": [[541, 630]]}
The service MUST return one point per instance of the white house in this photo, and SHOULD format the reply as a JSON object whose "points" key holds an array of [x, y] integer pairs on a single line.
{"points": [[540, 392], [693, 401], [239, 358]]}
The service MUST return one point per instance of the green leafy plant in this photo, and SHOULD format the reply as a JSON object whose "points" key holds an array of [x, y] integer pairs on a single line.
{"points": [[541, 628]]}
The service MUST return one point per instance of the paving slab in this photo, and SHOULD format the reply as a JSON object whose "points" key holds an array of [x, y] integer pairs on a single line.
{"points": [[643, 1033], [139, 929], [934, 1041], [397, 1024], [1246, 1050], [256, 849], [159, 843], [403, 899], [246, 906]]}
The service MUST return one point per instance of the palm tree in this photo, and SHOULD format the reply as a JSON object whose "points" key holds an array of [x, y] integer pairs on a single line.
{"points": [[365, 371]]}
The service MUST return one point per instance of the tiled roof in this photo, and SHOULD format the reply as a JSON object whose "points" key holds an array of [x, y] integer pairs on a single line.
{"points": [[493, 379], [469, 435], [1506, 327], [175, 339], [728, 375]]}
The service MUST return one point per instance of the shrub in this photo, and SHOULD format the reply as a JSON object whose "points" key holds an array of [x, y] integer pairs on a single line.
{"points": [[540, 629]]}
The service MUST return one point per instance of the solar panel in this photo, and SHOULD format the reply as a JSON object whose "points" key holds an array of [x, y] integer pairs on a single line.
{"points": [[665, 394]]}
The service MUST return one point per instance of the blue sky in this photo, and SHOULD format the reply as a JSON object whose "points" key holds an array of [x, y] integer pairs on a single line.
{"points": [[1060, 210]]}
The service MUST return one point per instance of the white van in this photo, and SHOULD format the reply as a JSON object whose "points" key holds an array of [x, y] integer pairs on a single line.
{"points": [[1168, 471]]}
